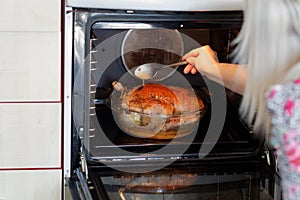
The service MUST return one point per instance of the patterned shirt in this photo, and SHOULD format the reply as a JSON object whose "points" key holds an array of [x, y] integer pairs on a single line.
{"points": [[283, 102]]}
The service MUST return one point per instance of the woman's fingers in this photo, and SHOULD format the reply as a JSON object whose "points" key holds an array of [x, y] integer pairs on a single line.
{"points": [[194, 70], [193, 53], [202, 60], [188, 69]]}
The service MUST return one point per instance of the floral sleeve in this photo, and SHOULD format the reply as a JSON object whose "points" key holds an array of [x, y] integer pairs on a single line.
{"points": [[283, 102]]}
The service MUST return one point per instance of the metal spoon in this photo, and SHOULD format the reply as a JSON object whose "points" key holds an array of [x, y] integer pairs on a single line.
{"points": [[150, 70]]}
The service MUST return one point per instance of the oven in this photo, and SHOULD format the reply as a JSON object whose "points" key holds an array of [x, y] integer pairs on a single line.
{"points": [[127, 155]]}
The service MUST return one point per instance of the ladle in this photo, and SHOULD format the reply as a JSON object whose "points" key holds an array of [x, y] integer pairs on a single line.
{"points": [[150, 70]]}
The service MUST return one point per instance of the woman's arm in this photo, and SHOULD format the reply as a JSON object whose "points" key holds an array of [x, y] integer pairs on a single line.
{"points": [[204, 61]]}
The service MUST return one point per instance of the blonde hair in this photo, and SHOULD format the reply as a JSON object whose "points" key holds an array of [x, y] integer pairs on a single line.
{"points": [[269, 42]]}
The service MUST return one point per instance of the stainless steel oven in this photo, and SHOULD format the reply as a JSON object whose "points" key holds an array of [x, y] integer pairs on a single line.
{"points": [[215, 157]]}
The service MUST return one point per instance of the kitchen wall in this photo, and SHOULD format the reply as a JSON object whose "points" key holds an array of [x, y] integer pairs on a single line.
{"points": [[30, 100]]}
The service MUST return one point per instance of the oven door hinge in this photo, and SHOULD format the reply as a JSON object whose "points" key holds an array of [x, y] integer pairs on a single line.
{"points": [[83, 163], [269, 156]]}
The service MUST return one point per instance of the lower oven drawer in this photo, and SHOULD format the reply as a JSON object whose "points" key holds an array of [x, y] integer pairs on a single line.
{"points": [[224, 181]]}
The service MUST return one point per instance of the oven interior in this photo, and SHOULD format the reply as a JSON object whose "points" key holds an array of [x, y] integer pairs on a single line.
{"points": [[104, 63], [232, 167]]}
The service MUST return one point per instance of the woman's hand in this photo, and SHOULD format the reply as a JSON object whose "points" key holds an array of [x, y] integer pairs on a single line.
{"points": [[203, 60]]}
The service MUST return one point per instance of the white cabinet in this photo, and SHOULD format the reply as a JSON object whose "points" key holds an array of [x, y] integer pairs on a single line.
{"points": [[30, 185], [30, 66], [30, 135]]}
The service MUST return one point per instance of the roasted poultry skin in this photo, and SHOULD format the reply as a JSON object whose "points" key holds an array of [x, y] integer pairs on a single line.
{"points": [[154, 98]]}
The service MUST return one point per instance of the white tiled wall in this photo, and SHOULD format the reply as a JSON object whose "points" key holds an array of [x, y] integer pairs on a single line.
{"points": [[30, 100], [29, 66], [30, 43], [30, 185], [30, 15], [30, 135]]}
